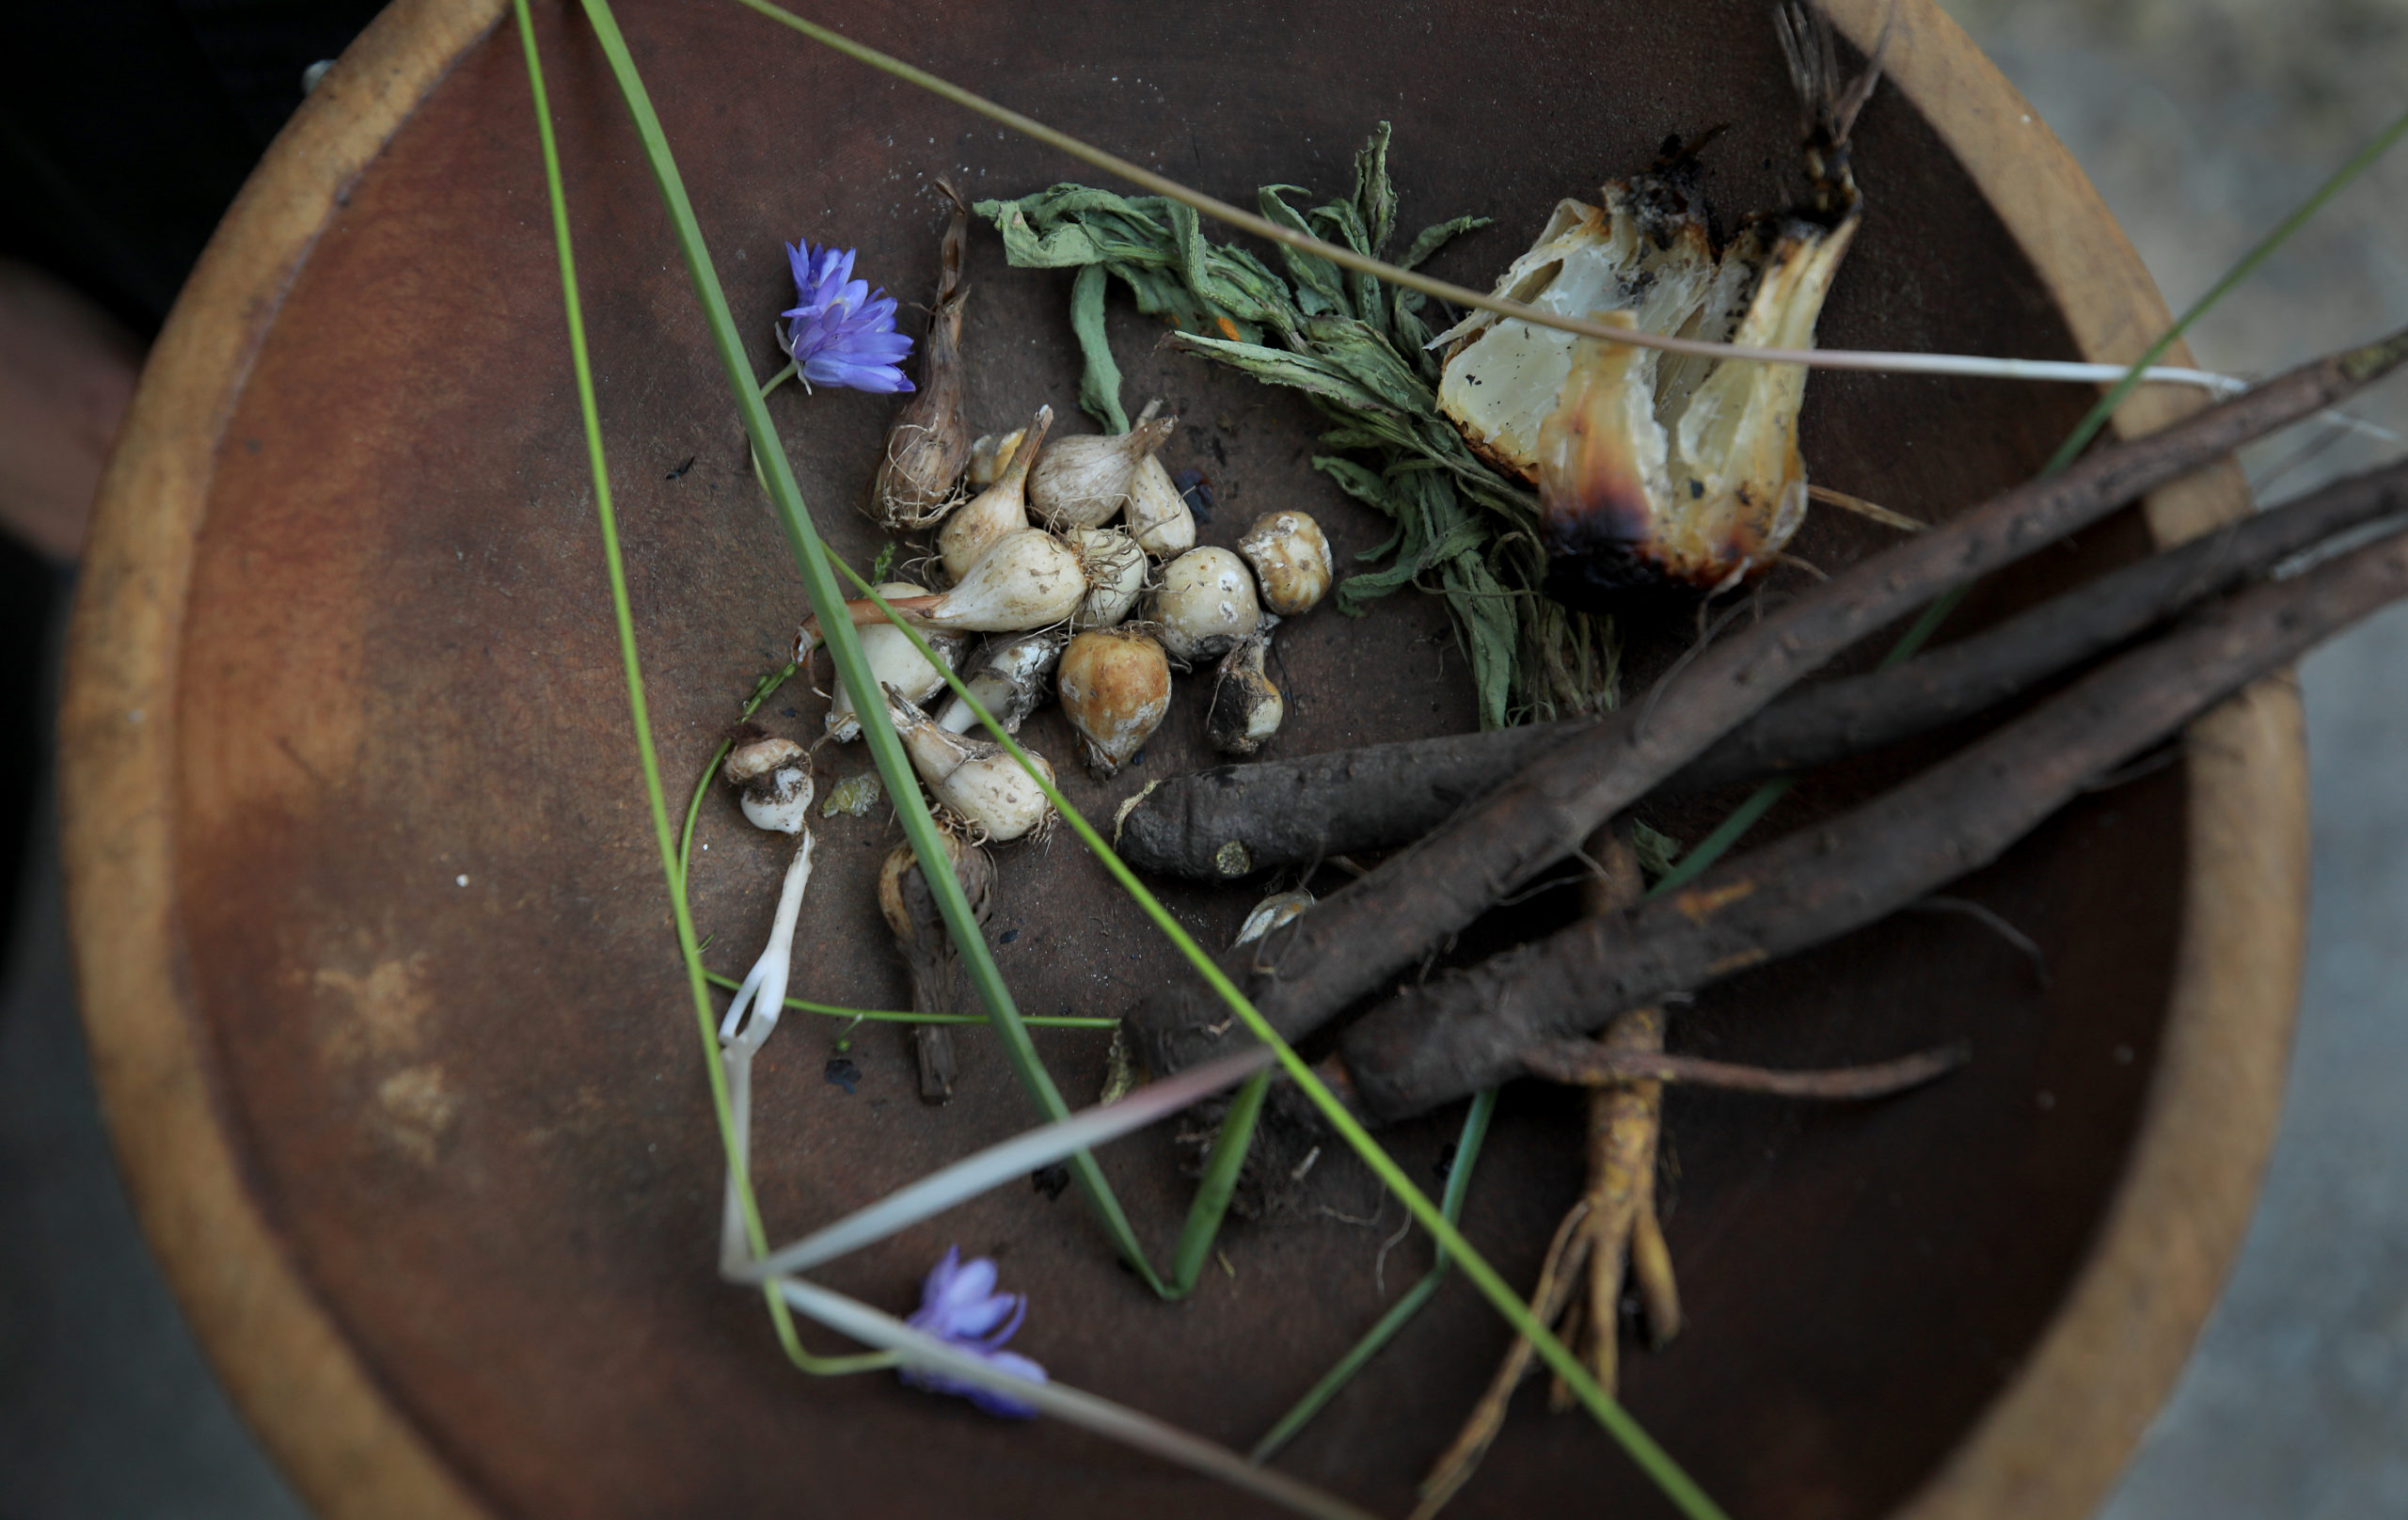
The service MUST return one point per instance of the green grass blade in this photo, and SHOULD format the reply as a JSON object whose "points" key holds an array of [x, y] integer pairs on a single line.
{"points": [[1220, 1180], [844, 645], [624, 617], [1400, 1313], [2249, 263], [2096, 419], [1652, 1459], [901, 1016], [1395, 274]]}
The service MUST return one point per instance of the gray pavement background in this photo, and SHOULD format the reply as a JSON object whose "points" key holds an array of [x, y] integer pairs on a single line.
{"points": [[2203, 122]]}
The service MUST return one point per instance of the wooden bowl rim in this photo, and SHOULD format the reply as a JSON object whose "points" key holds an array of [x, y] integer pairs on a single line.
{"points": [[2050, 1446]]}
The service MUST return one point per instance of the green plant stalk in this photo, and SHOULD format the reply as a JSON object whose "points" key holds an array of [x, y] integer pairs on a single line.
{"points": [[1451, 1203], [1652, 1459], [1911, 642], [1347, 258], [1220, 1180], [898, 1016], [844, 645], [761, 691], [2096, 419], [1726, 833], [641, 717]]}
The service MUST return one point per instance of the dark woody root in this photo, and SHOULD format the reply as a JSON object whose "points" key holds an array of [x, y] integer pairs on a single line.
{"points": [[1471, 1029], [1233, 820], [1354, 943]]}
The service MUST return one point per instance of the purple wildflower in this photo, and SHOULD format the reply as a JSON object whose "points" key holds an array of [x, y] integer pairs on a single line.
{"points": [[958, 1303], [839, 333]]}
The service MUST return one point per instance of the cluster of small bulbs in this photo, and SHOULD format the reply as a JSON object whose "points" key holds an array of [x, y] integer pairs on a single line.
{"points": [[1038, 564]]}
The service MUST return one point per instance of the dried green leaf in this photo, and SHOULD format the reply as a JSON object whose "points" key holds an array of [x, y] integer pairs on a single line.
{"points": [[1658, 853], [1279, 367], [1357, 348], [1374, 196], [1317, 279], [1434, 237], [1100, 383]]}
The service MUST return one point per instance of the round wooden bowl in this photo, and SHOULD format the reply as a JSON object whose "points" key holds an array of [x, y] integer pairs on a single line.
{"points": [[373, 946]]}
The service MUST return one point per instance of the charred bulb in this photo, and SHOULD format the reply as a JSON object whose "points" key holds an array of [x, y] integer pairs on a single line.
{"points": [[1247, 708]]}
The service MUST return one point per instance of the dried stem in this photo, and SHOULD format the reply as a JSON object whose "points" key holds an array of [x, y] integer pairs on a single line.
{"points": [[927, 952]]}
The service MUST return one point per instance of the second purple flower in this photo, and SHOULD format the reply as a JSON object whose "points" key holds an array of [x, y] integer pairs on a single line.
{"points": [[958, 1303]]}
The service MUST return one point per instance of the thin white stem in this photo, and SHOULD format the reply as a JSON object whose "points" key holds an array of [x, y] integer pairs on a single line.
{"points": [[764, 993], [1115, 1421], [735, 1241], [746, 993], [1004, 1163], [1979, 368]]}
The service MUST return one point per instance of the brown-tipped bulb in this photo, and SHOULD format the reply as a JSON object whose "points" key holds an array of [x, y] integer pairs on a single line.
{"points": [[894, 661], [927, 445], [985, 519], [1115, 576], [1159, 518], [990, 455], [757, 754], [774, 775], [1246, 708], [980, 782], [1083, 481], [1291, 559], [1206, 605], [1011, 677], [1116, 687]]}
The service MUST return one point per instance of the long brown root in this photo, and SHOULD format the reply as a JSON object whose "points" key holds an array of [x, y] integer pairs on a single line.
{"points": [[1469, 1029], [1359, 939], [1288, 812]]}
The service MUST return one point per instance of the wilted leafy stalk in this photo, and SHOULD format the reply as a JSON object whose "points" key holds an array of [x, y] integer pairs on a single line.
{"points": [[1353, 344]]}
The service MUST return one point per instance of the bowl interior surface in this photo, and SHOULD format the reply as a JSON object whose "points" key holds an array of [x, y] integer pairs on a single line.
{"points": [[423, 917]]}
